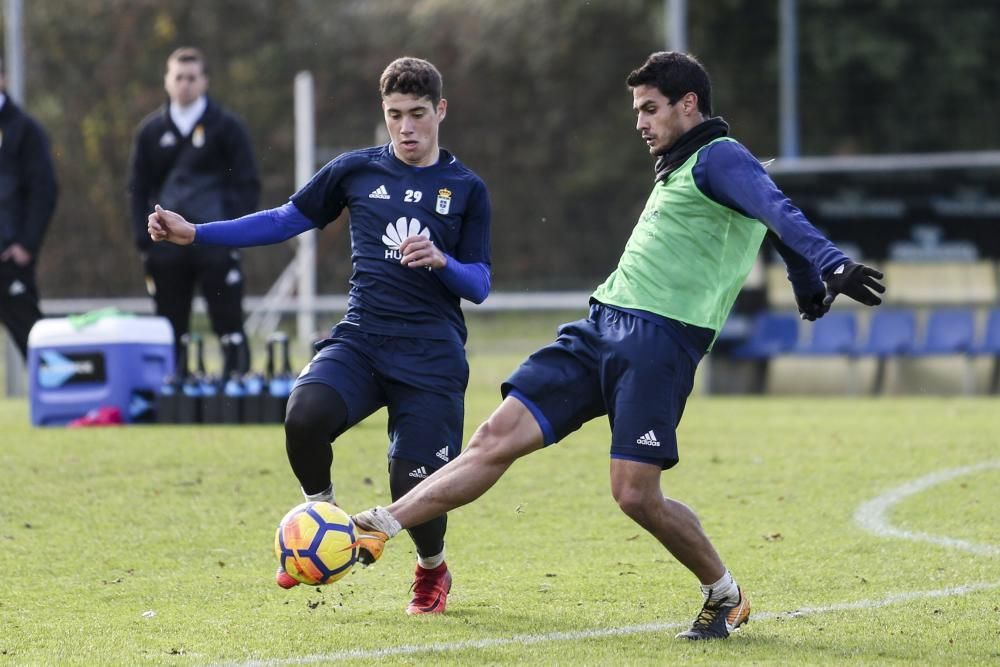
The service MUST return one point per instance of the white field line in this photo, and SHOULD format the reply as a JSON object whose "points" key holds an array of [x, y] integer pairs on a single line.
{"points": [[872, 515], [598, 633]]}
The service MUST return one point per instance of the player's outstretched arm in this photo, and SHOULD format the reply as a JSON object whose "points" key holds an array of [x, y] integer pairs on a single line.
{"points": [[857, 281], [164, 225], [737, 180]]}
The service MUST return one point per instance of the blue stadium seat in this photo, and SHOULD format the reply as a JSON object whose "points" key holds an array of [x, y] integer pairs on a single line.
{"points": [[772, 334], [990, 344], [890, 333], [949, 331], [834, 333]]}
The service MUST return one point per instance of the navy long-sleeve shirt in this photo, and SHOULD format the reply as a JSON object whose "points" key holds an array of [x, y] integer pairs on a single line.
{"points": [[729, 174]]}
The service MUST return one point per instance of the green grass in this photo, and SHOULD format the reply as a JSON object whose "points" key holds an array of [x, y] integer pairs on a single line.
{"points": [[99, 526]]}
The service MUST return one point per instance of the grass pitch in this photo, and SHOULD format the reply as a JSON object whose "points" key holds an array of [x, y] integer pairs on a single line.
{"points": [[152, 545]]}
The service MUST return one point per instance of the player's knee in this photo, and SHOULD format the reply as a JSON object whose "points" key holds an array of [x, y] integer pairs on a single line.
{"points": [[299, 423], [631, 503], [635, 501], [315, 413], [309, 420]]}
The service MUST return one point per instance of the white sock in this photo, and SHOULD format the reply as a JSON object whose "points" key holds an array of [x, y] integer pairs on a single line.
{"points": [[431, 562], [724, 590], [378, 519], [327, 496]]}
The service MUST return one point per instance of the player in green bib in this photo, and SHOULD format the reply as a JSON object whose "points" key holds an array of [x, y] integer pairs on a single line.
{"points": [[634, 357]]}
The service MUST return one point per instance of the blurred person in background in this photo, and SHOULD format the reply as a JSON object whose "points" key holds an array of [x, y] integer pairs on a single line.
{"points": [[28, 192], [420, 242], [194, 156]]}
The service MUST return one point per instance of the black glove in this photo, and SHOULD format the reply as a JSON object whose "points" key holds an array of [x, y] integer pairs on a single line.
{"points": [[857, 281], [812, 303]]}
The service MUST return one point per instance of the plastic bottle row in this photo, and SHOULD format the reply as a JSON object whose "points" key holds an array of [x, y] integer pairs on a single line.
{"points": [[194, 396]]}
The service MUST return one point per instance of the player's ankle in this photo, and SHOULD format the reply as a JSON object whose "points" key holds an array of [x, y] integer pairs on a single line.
{"points": [[724, 590], [431, 562], [378, 518], [327, 495]]}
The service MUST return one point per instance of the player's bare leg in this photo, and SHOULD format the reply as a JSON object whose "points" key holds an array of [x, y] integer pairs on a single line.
{"points": [[510, 433], [636, 488]]}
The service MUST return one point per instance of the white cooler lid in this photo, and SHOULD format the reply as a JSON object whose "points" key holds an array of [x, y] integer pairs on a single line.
{"points": [[110, 329]]}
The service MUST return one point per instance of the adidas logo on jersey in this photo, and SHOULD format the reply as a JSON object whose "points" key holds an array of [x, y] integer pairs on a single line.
{"points": [[442, 454], [379, 193], [419, 473], [648, 439]]}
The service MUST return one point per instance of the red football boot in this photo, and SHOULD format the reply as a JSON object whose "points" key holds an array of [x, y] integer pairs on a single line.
{"points": [[284, 579], [430, 590]]}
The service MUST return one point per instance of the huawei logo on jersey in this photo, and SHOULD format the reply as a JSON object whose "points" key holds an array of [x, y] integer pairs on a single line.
{"points": [[399, 231]]}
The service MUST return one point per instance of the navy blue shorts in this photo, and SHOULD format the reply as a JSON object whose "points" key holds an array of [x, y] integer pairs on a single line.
{"points": [[422, 382], [612, 363]]}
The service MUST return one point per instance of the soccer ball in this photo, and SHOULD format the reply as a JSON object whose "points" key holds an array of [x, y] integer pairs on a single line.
{"points": [[315, 543]]}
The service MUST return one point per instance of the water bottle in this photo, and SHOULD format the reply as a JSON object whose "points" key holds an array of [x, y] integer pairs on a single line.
{"points": [[279, 382], [189, 396]]}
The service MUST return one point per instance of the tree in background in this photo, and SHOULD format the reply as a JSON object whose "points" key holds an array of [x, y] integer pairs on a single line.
{"points": [[538, 89]]}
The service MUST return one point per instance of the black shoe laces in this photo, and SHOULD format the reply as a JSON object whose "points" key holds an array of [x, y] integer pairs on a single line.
{"points": [[709, 612]]}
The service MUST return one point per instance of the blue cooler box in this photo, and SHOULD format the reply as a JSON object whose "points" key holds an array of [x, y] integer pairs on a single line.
{"points": [[116, 360]]}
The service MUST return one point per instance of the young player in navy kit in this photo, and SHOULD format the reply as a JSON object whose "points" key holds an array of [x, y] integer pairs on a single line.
{"points": [[420, 240]]}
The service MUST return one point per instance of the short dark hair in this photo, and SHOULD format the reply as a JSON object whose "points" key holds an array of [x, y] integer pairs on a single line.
{"points": [[411, 76], [675, 75], [188, 54]]}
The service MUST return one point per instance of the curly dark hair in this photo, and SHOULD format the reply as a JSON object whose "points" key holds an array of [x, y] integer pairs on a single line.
{"points": [[675, 74], [411, 76]]}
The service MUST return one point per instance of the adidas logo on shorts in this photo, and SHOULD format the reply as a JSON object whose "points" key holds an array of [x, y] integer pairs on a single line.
{"points": [[442, 454], [419, 473], [649, 439]]}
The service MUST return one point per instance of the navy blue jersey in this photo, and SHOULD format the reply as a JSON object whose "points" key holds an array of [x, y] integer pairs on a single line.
{"points": [[390, 200]]}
